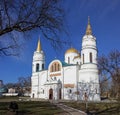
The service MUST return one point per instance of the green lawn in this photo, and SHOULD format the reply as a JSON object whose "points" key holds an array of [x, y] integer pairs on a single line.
{"points": [[46, 108], [30, 107], [101, 108]]}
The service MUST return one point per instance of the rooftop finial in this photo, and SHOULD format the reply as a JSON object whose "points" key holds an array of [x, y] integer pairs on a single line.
{"points": [[39, 46], [89, 29]]}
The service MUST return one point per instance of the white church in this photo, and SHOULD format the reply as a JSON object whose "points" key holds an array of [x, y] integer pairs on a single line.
{"points": [[75, 78]]}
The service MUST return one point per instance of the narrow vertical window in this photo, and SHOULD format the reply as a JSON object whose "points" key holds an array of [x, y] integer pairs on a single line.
{"points": [[42, 66], [37, 67], [58, 67], [96, 90], [90, 57], [70, 91], [83, 58], [52, 68], [68, 59], [55, 66]]}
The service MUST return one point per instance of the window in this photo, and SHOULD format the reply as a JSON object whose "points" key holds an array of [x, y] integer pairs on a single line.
{"points": [[70, 91], [51, 69], [55, 67], [55, 78], [68, 59], [83, 58], [90, 55], [96, 90], [42, 66], [58, 67], [37, 67]]}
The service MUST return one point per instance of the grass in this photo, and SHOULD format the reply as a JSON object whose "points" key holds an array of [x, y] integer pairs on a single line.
{"points": [[30, 107], [46, 108], [101, 108]]}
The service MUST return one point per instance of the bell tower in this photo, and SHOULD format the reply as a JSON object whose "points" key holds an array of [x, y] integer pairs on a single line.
{"points": [[38, 63], [89, 69], [89, 49]]}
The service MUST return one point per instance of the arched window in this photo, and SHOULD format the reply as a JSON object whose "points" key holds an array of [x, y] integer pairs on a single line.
{"points": [[70, 91], [37, 67], [52, 68], [60, 93], [68, 59], [55, 67], [83, 58], [42, 66], [55, 78], [58, 67], [90, 56], [96, 90]]}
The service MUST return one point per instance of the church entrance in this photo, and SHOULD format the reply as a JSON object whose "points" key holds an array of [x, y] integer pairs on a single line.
{"points": [[33, 95], [50, 93]]}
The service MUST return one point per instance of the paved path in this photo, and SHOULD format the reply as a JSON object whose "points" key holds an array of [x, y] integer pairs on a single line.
{"points": [[70, 110]]}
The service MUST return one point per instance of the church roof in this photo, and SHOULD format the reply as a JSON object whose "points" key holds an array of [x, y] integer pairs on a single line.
{"points": [[3, 89], [88, 29], [71, 50], [66, 64]]}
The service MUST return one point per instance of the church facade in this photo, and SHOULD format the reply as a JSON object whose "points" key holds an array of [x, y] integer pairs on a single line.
{"points": [[75, 78]]}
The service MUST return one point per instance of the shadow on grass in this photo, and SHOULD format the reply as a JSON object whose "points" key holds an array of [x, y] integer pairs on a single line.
{"points": [[108, 111], [16, 113], [30, 108], [104, 108]]}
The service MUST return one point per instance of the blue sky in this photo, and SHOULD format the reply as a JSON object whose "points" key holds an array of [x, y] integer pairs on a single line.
{"points": [[105, 22]]}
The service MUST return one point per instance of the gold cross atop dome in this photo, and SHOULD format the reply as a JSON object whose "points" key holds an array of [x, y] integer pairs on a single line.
{"points": [[89, 29], [39, 46]]}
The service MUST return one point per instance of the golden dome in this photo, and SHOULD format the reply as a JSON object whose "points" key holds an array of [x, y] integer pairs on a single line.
{"points": [[71, 50]]}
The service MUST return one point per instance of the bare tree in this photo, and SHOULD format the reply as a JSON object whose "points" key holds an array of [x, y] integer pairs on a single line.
{"points": [[10, 85], [23, 16], [110, 65], [24, 84], [24, 81]]}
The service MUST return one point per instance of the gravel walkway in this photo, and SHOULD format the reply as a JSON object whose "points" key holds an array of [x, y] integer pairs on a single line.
{"points": [[70, 110]]}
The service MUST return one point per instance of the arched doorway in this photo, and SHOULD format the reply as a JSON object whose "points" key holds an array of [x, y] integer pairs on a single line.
{"points": [[50, 93], [33, 95], [60, 93]]}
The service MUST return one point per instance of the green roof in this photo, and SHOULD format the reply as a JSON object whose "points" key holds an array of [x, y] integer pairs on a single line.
{"points": [[66, 64], [3, 89]]}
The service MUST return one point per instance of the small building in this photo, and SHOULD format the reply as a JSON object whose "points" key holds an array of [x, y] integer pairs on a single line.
{"points": [[11, 90], [3, 90]]}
